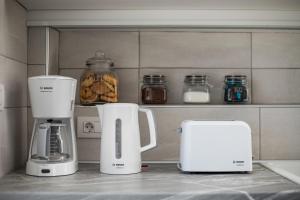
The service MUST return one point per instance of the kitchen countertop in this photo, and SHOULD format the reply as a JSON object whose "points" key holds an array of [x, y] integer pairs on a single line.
{"points": [[158, 181]]}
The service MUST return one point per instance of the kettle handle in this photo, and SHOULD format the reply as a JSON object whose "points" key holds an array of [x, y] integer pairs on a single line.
{"points": [[152, 129]]}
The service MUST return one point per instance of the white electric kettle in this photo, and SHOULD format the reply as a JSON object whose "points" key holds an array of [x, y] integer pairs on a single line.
{"points": [[120, 141]]}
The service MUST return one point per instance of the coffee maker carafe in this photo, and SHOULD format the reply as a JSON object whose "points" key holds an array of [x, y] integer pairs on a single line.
{"points": [[53, 144]]}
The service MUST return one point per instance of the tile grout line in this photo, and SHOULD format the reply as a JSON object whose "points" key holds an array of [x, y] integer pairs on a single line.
{"points": [[59, 47], [251, 65], [139, 66], [13, 59], [259, 126]]}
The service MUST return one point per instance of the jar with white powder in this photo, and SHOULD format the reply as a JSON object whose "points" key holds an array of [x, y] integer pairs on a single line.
{"points": [[196, 89]]}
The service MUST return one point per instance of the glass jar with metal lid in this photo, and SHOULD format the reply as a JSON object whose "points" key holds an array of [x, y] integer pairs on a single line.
{"points": [[236, 89], [196, 89], [154, 89], [99, 82]]}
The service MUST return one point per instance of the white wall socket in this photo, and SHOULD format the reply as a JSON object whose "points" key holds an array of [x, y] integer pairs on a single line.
{"points": [[88, 127]]}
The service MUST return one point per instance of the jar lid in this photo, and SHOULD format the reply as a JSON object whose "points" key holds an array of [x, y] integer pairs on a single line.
{"points": [[154, 79], [236, 78], [195, 78], [99, 58]]}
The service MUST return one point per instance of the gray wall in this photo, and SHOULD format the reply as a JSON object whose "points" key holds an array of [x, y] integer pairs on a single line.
{"points": [[13, 74], [270, 59]]}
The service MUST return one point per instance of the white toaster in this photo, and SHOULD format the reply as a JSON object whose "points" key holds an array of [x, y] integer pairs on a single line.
{"points": [[215, 146]]}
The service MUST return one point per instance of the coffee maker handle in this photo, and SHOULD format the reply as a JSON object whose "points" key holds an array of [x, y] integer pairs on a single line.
{"points": [[152, 129]]}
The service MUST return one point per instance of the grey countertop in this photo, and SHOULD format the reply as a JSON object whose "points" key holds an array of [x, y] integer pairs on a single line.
{"points": [[157, 181]]}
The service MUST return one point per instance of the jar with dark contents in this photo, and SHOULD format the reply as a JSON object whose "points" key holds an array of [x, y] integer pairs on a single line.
{"points": [[154, 89], [236, 89]]}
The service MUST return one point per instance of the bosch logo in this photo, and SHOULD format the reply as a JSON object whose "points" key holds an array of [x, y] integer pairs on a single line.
{"points": [[238, 162], [118, 164], [46, 89]]}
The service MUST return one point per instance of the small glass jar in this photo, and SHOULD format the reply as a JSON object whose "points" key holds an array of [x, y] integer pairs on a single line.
{"points": [[154, 89], [236, 89], [196, 89], [99, 82]]}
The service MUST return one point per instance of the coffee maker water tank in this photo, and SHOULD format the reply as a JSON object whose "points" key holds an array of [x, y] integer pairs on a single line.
{"points": [[52, 96]]}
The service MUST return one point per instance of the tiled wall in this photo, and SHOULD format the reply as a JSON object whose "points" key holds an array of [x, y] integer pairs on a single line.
{"points": [[13, 75], [269, 58]]}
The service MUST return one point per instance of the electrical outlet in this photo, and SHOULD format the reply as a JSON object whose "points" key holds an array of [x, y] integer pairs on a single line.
{"points": [[88, 127]]}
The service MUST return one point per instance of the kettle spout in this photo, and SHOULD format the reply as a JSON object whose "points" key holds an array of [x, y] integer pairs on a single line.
{"points": [[100, 109]]}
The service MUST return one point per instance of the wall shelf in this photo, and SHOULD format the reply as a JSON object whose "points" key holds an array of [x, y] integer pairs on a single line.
{"points": [[214, 106], [164, 13], [165, 18]]}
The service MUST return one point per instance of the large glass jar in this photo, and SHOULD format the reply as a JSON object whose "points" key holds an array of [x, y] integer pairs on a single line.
{"points": [[196, 89], [236, 89], [154, 89], [99, 82]]}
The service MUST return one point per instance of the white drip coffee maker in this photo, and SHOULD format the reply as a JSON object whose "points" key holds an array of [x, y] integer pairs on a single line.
{"points": [[53, 149]]}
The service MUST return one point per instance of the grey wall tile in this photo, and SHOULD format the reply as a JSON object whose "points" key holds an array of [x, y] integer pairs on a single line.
{"points": [[276, 50], [175, 81], [195, 49], [128, 87], [280, 134], [13, 75], [276, 86], [169, 119], [88, 149], [36, 70], [13, 139], [36, 45], [79, 45], [54, 51], [37, 48], [13, 31]]}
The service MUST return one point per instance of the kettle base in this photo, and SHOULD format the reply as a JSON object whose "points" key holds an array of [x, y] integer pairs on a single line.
{"points": [[120, 171]]}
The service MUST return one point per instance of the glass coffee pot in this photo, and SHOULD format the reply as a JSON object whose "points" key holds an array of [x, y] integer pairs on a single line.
{"points": [[51, 142]]}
